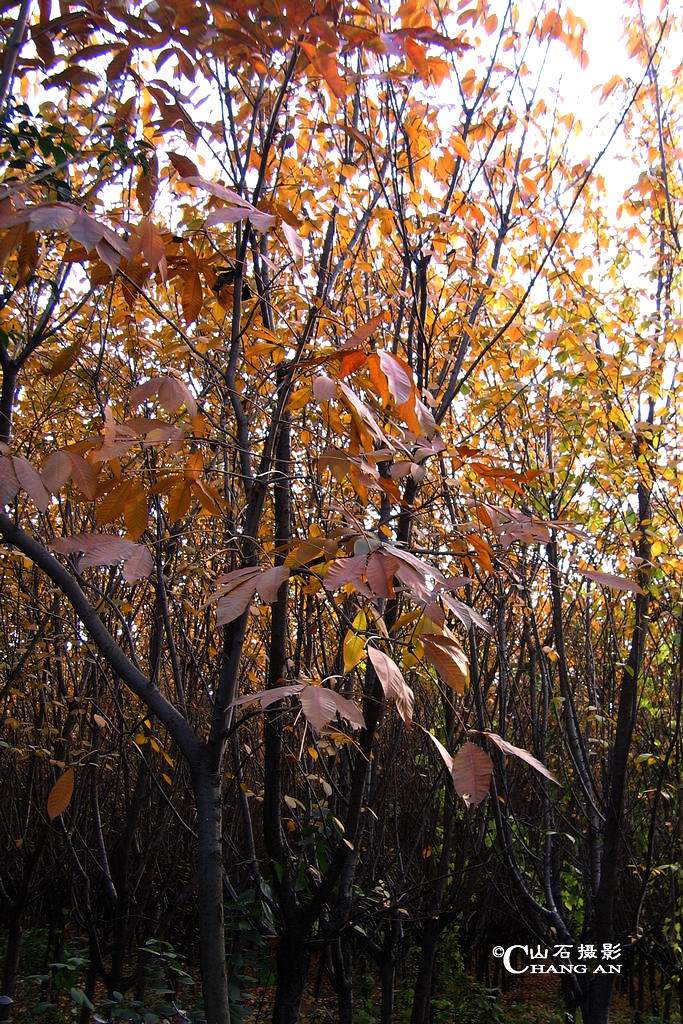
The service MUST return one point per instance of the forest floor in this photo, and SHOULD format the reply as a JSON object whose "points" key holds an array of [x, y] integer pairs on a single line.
{"points": [[458, 999]]}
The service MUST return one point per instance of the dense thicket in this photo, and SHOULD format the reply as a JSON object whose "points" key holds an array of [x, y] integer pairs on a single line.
{"points": [[340, 454]]}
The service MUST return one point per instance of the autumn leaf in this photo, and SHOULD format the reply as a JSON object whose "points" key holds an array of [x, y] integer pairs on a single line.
{"points": [[107, 549], [472, 771], [236, 208], [394, 685], [60, 795], [319, 704], [523, 755], [448, 658], [192, 297], [56, 470], [322, 705], [607, 579], [354, 642], [9, 484], [30, 481]]}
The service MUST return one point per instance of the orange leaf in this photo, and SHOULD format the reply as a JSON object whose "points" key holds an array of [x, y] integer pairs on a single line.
{"points": [[27, 261], [351, 361], [179, 501], [209, 498], [135, 512], [326, 65], [110, 506], [460, 148], [192, 297], [418, 58], [194, 466]]}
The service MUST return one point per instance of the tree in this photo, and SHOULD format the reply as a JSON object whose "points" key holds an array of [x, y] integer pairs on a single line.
{"points": [[263, 282]]}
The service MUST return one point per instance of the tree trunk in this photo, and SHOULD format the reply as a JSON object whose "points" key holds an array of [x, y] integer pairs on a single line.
{"points": [[292, 970], [595, 1007], [342, 977], [425, 976], [12, 956], [207, 790], [387, 973]]}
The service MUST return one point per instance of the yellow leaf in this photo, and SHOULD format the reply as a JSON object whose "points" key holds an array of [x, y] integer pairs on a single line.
{"points": [[354, 645]]}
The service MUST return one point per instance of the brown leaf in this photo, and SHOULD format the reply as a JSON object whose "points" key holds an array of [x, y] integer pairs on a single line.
{"points": [[346, 570], [472, 771], [30, 481], [134, 274], [173, 393], [267, 697], [447, 758], [269, 582], [324, 388], [78, 224], [138, 565], [60, 795], [606, 579], [148, 182], [380, 570], [151, 243], [66, 358], [394, 685], [83, 476], [9, 485], [107, 549], [321, 705], [520, 752], [185, 167], [398, 375], [448, 658], [238, 208], [465, 614], [56, 470], [235, 597]]}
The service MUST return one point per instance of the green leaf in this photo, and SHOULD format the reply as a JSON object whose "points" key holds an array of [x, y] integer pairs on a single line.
{"points": [[80, 999]]}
